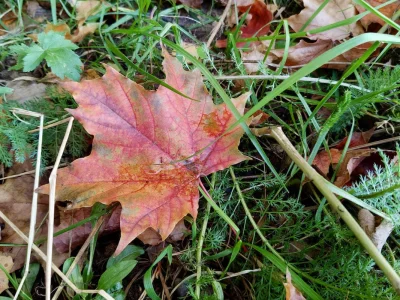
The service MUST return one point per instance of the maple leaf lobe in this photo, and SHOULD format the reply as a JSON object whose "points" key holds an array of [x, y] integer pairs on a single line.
{"points": [[149, 148]]}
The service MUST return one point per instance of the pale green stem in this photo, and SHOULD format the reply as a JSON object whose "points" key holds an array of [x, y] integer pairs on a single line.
{"points": [[201, 241], [53, 4]]}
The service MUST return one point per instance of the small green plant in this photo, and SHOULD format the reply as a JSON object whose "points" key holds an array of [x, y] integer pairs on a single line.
{"points": [[17, 143], [111, 280], [381, 188], [55, 50]]}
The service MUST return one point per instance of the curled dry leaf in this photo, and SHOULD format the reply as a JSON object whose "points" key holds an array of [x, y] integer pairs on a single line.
{"points": [[350, 162], [291, 292], [257, 23], [388, 10], [378, 234], [150, 148], [367, 221], [382, 233], [334, 11], [7, 262]]}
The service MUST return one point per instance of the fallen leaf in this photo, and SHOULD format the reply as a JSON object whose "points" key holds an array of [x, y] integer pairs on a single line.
{"points": [[15, 203], [357, 139], [382, 233], [305, 52], [257, 23], [79, 34], [379, 234], [7, 262], [150, 148], [191, 48], [292, 293], [367, 221], [353, 158], [85, 9], [388, 10], [9, 23], [192, 3], [25, 90], [323, 160], [255, 55], [334, 11], [151, 237], [74, 238]]}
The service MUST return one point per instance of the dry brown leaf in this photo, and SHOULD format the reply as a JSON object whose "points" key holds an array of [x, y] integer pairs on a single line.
{"points": [[74, 238], [379, 234], [303, 52], [256, 56], [388, 11], [323, 160], [192, 3], [85, 9], [382, 233], [7, 262], [367, 221], [352, 159], [151, 237], [292, 293], [257, 22], [333, 12], [10, 20], [25, 90], [15, 203], [357, 139], [189, 47], [79, 34]]}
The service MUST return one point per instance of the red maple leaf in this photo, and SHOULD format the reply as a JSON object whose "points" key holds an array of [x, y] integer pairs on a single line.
{"points": [[258, 25], [150, 148]]}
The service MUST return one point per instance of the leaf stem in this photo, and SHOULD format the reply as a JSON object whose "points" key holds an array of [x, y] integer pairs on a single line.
{"points": [[337, 206]]}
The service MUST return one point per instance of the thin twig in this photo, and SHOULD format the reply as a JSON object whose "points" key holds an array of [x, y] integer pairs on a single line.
{"points": [[219, 24], [337, 206], [54, 267], [35, 195], [31, 172], [79, 255], [52, 203], [284, 77], [50, 125]]}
